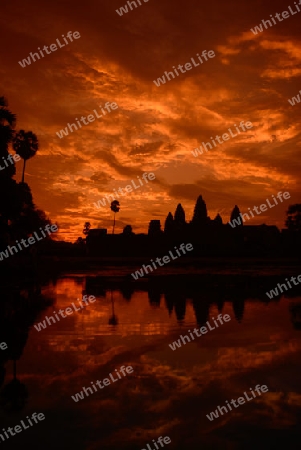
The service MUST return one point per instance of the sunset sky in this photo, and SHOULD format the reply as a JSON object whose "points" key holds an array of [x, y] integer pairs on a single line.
{"points": [[155, 129]]}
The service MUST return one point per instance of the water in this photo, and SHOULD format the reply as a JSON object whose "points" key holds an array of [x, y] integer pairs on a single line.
{"points": [[169, 392]]}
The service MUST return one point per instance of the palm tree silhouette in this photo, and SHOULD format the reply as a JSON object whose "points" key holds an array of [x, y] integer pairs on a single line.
{"points": [[86, 229], [26, 145], [115, 207]]}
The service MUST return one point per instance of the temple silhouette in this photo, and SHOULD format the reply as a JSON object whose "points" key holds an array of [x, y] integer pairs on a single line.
{"points": [[210, 237]]}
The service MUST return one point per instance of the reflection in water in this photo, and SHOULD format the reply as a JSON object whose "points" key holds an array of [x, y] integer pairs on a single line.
{"points": [[177, 292], [201, 309], [238, 309], [133, 324], [14, 395], [113, 320], [154, 296], [295, 310], [19, 310], [127, 290], [203, 291]]}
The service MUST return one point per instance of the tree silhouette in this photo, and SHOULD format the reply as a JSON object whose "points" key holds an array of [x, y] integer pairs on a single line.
{"points": [[8, 186], [86, 229], [293, 221], [7, 130], [18, 213], [26, 145], [115, 207], [24, 216]]}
